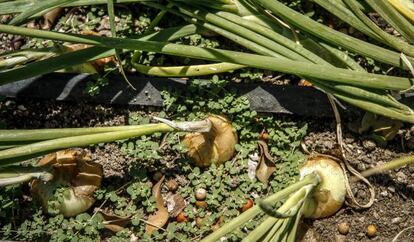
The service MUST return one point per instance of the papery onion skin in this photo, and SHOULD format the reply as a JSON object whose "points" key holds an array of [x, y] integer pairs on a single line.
{"points": [[329, 195], [69, 205], [214, 147], [71, 191]]}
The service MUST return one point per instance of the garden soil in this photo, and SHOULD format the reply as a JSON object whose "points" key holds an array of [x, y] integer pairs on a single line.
{"points": [[392, 211]]}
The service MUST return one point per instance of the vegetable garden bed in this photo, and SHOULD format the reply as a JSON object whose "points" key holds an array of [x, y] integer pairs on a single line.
{"points": [[267, 120], [120, 160]]}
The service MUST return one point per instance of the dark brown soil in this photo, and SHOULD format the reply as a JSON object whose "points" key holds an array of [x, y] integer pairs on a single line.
{"points": [[392, 211]]}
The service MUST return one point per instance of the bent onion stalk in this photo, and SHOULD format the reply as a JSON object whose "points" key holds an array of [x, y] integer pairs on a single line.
{"points": [[319, 193]]}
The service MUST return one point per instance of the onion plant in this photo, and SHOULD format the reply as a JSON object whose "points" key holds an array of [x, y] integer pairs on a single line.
{"points": [[65, 181], [249, 24], [330, 74], [320, 192], [277, 38], [23, 144]]}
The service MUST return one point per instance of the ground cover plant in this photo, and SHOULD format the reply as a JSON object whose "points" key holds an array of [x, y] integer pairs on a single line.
{"points": [[229, 186], [261, 154]]}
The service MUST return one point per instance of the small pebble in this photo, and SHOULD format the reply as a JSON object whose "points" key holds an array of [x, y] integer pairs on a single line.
{"points": [[391, 189], [340, 238], [247, 205], [201, 204], [401, 177], [396, 220], [9, 103], [21, 108], [361, 167], [172, 185], [369, 145], [376, 216], [371, 230], [157, 176], [200, 194], [343, 228]]}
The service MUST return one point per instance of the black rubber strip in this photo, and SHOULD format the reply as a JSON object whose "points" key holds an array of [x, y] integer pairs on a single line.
{"points": [[298, 100]]}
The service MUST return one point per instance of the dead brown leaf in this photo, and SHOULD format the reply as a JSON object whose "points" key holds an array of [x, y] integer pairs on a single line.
{"points": [[115, 223], [266, 165], [50, 18], [159, 218]]}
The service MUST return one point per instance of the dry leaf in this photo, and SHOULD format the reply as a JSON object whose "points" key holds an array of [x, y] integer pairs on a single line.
{"points": [[47, 160], [304, 83], [160, 218], [50, 17], [115, 223], [89, 67], [266, 165]]}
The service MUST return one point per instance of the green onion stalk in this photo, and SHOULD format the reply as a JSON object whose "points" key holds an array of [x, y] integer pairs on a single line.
{"points": [[20, 174], [330, 35], [43, 141], [339, 75], [405, 7], [20, 6], [355, 17], [268, 42], [258, 36], [20, 57], [320, 192], [330, 73], [66, 180]]}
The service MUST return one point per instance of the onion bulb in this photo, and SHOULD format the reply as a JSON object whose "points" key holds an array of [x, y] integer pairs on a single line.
{"points": [[75, 179], [329, 195], [215, 146]]}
